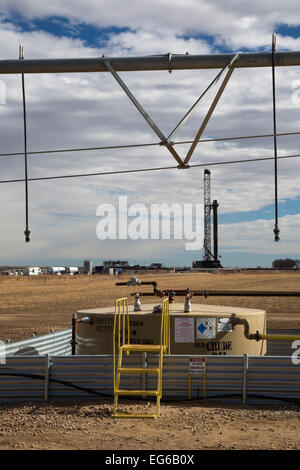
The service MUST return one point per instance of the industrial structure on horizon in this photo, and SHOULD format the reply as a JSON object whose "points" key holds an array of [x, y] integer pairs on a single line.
{"points": [[210, 259]]}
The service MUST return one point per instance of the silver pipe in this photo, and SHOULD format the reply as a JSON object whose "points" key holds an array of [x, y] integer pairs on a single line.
{"points": [[144, 63]]}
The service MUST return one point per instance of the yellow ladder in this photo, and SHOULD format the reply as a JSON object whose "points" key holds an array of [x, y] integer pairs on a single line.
{"points": [[121, 341]]}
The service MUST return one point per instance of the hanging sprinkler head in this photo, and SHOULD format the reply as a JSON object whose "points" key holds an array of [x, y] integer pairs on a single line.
{"points": [[27, 238], [276, 233]]}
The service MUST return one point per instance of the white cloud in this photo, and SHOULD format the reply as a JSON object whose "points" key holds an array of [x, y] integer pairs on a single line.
{"points": [[149, 42], [257, 236], [236, 24]]}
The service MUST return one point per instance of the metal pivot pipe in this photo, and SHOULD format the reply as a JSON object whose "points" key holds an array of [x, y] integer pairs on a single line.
{"points": [[276, 229], [27, 231], [146, 63]]}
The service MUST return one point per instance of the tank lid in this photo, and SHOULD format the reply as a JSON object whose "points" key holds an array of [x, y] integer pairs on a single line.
{"points": [[178, 309]]}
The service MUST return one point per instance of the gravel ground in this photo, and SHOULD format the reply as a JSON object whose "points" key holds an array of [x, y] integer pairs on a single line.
{"points": [[89, 425]]}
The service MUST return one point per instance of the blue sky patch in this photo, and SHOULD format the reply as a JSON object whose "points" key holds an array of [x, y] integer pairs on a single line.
{"points": [[287, 207], [60, 26]]}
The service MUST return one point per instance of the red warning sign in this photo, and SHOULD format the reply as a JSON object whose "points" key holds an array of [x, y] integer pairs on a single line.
{"points": [[197, 365]]}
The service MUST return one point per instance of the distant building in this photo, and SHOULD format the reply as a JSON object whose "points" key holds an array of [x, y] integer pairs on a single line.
{"points": [[71, 270], [56, 270], [32, 271], [98, 269], [115, 264], [88, 267], [119, 267], [8, 272], [207, 264]]}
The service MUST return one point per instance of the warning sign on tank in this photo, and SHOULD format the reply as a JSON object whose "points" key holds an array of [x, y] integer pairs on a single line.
{"points": [[206, 328], [184, 330], [224, 324]]}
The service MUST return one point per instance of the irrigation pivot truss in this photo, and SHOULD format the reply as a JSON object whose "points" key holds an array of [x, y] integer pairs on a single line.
{"points": [[226, 63]]}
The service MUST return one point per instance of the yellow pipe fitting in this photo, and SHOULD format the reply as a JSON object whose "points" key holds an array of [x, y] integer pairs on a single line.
{"points": [[279, 337]]}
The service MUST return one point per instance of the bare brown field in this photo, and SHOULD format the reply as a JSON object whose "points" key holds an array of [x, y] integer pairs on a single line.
{"points": [[39, 304]]}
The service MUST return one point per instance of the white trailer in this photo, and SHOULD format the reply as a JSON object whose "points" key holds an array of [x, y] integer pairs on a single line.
{"points": [[71, 270], [8, 272], [58, 270], [32, 271]]}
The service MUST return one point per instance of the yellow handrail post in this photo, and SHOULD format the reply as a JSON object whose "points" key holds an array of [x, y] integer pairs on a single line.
{"points": [[128, 324], [117, 319], [119, 323]]}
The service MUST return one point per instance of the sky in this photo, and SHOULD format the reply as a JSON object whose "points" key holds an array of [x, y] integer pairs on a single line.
{"points": [[66, 111]]}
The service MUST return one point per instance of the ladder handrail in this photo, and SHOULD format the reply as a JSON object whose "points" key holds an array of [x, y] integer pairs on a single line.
{"points": [[165, 326], [124, 302]]}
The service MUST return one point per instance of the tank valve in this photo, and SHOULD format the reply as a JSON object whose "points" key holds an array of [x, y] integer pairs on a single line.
{"points": [[171, 295], [134, 281], [137, 303], [187, 304], [157, 309]]}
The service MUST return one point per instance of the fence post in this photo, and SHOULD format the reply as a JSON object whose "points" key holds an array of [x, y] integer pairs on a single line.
{"points": [[8, 342], [46, 385], [74, 332], [53, 333], [144, 358], [245, 377]]}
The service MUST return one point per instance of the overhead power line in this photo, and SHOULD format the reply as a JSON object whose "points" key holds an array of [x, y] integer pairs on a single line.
{"points": [[141, 170], [150, 144]]}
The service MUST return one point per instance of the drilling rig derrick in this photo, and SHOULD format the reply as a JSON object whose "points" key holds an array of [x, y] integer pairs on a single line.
{"points": [[210, 259]]}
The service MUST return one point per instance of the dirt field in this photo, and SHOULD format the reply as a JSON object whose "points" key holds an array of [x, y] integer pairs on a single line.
{"points": [[43, 303], [38, 304]]}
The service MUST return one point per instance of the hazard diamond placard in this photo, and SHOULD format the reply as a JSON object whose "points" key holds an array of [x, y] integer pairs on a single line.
{"points": [[206, 328]]}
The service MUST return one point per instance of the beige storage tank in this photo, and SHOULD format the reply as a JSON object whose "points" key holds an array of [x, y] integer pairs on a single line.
{"points": [[207, 329]]}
